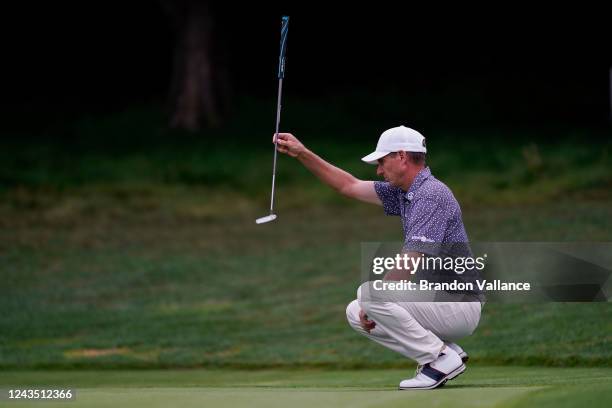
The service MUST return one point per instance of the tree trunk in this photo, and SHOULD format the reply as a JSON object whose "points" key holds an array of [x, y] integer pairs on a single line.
{"points": [[198, 87]]}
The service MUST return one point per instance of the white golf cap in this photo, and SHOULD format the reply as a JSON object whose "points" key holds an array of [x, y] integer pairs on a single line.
{"points": [[394, 140]]}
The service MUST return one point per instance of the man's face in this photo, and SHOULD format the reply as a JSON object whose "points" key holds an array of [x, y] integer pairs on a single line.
{"points": [[391, 169]]}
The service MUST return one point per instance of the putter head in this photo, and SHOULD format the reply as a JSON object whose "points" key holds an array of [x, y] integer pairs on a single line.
{"points": [[265, 219]]}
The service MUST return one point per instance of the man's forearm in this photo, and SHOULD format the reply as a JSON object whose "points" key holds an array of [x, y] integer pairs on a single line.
{"points": [[329, 174], [338, 179]]}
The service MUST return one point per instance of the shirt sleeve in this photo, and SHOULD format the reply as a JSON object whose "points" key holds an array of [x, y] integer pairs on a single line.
{"points": [[426, 227], [389, 197]]}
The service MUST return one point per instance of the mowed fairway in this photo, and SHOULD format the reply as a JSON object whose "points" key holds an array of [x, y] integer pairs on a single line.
{"points": [[480, 386]]}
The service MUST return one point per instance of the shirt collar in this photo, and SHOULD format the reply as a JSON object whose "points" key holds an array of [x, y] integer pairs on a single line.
{"points": [[421, 176]]}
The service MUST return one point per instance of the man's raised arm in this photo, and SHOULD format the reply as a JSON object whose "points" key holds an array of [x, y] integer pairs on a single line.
{"points": [[340, 180]]}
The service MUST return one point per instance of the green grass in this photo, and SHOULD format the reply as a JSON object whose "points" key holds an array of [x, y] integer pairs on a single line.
{"points": [[486, 386], [111, 280], [128, 245]]}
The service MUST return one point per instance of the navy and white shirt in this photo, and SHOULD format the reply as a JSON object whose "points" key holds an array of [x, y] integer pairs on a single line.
{"points": [[430, 214]]}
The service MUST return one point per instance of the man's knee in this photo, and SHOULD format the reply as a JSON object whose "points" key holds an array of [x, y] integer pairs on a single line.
{"points": [[352, 312], [363, 292]]}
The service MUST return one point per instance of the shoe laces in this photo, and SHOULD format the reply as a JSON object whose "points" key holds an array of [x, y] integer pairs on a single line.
{"points": [[420, 366]]}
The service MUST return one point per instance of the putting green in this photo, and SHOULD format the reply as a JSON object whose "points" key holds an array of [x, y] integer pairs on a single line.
{"points": [[479, 387]]}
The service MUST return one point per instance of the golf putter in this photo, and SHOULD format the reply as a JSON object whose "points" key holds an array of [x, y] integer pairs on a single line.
{"points": [[281, 74]]}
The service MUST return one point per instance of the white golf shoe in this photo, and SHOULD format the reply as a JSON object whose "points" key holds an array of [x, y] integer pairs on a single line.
{"points": [[464, 356], [447, 366]]}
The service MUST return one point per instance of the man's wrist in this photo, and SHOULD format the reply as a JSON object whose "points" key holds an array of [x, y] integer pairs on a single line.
{"points": [[303, 154]]}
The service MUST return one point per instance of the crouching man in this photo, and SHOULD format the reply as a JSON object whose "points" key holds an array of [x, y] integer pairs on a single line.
{"points": [[423, 331]]}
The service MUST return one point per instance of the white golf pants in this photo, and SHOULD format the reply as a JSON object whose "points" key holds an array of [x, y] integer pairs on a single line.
{"points": [[416, 330]]}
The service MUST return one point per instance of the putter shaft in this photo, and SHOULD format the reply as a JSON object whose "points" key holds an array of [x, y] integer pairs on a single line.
{"points": [[278, 113]]}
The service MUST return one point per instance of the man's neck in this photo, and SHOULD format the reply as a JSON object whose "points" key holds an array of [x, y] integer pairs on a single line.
{"points": [[410, 176]]}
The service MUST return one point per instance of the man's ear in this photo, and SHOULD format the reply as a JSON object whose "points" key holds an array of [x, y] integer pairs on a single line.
{"points": [[402, 154]]}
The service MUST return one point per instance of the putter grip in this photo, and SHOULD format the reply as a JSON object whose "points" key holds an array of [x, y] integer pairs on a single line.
{"points": [[283, 46]]}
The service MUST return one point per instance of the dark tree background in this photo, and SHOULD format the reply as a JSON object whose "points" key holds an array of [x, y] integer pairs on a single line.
{"points": [[199, 91], [198, 58]]}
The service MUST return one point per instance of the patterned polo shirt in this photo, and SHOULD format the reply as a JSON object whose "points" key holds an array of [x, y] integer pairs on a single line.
{"points": [[430, 214]]}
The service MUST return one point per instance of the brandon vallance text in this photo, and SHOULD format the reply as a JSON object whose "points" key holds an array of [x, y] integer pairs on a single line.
{"points": [[483, 285]]}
